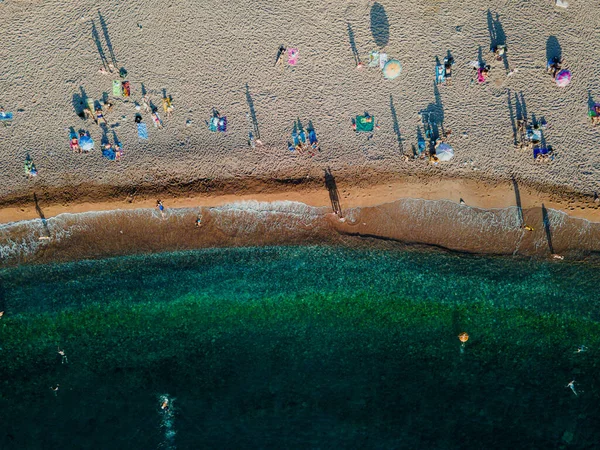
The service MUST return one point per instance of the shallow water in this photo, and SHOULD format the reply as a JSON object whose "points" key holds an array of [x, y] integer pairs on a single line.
{"points": [[439, 223], [300, 347]]}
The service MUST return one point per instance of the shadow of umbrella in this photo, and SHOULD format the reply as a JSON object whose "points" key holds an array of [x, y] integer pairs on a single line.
{"points": [[553, 49], [380, 25]]}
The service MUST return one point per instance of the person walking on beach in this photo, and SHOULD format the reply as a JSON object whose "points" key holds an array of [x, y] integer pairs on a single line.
{"points": [[161, 208]]}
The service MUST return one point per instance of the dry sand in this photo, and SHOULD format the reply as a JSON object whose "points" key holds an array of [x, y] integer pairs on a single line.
{"points": [[221, 54]]}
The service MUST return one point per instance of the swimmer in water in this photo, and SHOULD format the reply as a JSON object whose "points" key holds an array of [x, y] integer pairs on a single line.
{"points": [[63, 356], [571, 385], [580, 349]]}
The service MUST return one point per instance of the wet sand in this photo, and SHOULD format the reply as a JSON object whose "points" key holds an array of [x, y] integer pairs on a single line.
{"points": [[353, 192], [306, 218]]}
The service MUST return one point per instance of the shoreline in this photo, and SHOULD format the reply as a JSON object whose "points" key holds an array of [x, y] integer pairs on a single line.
{"points": [[353, 192]]}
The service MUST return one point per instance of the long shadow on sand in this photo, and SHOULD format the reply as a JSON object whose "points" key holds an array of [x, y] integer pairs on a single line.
{"points": [[395, 124], [497, 35], [353, 44], [41, 214], [79, 102], [433, 117], [107, 39], [546, 221], [518, 199], [252, 112], [334, 196], [553, 49]]}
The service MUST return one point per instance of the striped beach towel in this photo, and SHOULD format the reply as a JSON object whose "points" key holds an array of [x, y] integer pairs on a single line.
{"points": [[142, 131], [117, 89]]}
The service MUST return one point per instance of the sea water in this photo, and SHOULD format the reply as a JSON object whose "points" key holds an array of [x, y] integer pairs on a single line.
{"points": [[300, 347]]}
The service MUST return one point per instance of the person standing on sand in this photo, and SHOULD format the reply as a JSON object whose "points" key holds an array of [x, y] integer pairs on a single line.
{"points": [[279, 59], [161, 208]]}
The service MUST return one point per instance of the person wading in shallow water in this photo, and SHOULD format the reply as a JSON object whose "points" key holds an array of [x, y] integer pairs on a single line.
{"points": [[161, 208]]}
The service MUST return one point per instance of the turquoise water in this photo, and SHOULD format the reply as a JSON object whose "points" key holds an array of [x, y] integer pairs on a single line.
{"points": [[300, 347]]}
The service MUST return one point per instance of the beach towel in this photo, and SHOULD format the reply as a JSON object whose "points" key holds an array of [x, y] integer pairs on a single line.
{"points": [[5, 116], [109, 154], [440, 74], [117, 89], [142, 131], [383, 58], [126, 89], [295, 139], [222, 124], [292, 56], [213, 125], [302, 136], [374, 59], [365, 123], [540, 151]]}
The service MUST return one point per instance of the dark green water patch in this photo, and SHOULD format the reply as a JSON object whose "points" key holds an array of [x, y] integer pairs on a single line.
{"points": [[300, 348]]}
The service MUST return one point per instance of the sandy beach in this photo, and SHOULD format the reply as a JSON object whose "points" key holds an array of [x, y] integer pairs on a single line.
{"points": [[222, 56]]}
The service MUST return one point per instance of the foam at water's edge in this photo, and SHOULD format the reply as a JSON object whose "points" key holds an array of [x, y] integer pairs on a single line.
{"points": [[432, 222]]}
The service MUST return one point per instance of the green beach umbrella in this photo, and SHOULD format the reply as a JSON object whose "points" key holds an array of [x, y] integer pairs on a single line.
{"points": [[392, 69]]}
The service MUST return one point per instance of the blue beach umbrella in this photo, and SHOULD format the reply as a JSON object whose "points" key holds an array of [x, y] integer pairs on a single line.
{"points": [[86, 143]]}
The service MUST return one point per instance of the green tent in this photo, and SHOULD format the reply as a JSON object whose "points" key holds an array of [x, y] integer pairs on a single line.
{"points": [[365, 124]]}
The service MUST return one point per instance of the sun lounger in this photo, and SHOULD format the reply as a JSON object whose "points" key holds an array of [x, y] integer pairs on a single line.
{"points": [[440, 74], [365, 124], [142, 131]]}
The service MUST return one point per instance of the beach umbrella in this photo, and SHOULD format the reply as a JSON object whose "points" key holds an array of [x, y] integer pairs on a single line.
{"points": [[444, 152], [563, 78], [392, 69], [86, 143]]}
